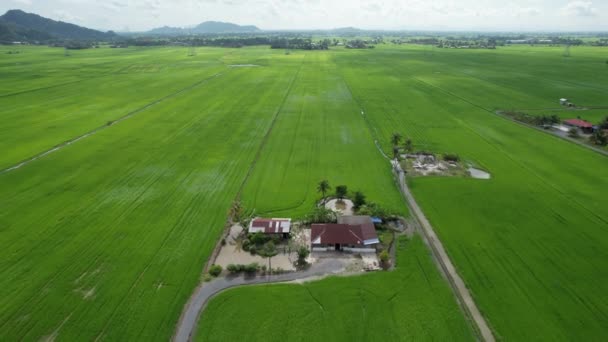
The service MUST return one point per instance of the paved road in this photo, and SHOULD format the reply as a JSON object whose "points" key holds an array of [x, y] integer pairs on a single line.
{"points": [[447, 266], [198, 301]]}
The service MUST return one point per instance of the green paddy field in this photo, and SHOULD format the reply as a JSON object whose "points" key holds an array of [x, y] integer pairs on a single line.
{"points": [[106, 237]]}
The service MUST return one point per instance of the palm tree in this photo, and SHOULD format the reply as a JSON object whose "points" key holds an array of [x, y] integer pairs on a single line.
{"points": [[409, 145], [323, 188], [396, 138]]}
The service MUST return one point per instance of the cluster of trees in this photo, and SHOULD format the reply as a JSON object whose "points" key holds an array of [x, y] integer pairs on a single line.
{"points": [[396, 139], [466, 44], [600, 136], [359, 44], [360, 205], [542, 120], [299, 44]]}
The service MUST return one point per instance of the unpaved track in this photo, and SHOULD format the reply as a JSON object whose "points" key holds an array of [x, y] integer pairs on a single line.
{"points": [[192, 311], [448, 268]]}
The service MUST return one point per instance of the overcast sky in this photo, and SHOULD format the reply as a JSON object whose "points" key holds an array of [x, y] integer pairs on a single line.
{"points": [[519, 15]]}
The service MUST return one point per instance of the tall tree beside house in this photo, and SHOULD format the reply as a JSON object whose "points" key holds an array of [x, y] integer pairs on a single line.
{"points": [[323, 187], [268, 251], [341, 191]]}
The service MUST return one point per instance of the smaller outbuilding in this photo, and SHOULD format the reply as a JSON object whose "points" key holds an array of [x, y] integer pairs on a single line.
{"points": [[563, 101], [270, 226], [584, 126]]}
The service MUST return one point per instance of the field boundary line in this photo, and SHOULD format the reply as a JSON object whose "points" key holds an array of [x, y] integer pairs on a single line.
{"points": [[446, 266], [109, 124], [267, 134]]}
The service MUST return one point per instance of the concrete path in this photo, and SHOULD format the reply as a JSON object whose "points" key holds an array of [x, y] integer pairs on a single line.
{"points": [[191, 314], [446, 264]]}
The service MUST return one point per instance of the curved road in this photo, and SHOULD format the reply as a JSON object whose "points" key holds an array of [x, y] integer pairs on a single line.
{"points": [[205, 291]]}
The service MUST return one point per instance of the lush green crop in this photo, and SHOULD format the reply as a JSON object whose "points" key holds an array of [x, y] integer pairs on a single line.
{"points": [[411, 303], [531, 242], [106, 237]]}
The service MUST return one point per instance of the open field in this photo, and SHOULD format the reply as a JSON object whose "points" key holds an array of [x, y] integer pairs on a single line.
{"points": [[411, 303], [531, 242], [106, 237]]}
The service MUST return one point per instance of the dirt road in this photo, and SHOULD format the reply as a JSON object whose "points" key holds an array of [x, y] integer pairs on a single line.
{"points": [[446, 265]]}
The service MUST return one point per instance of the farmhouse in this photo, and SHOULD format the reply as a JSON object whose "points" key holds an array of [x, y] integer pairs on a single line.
{"points": [[563, 101], [351, 233], [270, 226], [584, 126]]}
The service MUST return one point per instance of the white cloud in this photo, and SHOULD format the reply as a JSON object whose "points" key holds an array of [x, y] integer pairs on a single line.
{"points": [[310, 14], [580, 9]]}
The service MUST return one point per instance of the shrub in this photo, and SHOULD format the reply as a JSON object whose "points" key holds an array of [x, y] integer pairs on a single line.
{"points": [[573, 133], [321, 215], [215, 270], [232, 268], [253, 249], [246, 245], [303, 253], [251, 268], [258, 238], [223, 242], [451, 157], [384, 258]]}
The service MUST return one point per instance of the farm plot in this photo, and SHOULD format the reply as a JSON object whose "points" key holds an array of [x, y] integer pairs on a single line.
{"points": [[411, 303], [319, 134], [106, 239], [35, 121], [531, 242]]}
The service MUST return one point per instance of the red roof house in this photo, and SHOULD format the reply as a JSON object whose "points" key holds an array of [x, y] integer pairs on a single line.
{"points": [[586, 127], [350, 232]]}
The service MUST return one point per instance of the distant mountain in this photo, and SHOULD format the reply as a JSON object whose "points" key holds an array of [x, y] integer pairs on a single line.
{"points": [[208, 27], [220, 27], [345, 30], [18, 25]]}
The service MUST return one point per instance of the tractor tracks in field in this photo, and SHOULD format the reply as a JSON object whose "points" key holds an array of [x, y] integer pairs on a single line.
{"points": [[267, 134], [109, 124]]}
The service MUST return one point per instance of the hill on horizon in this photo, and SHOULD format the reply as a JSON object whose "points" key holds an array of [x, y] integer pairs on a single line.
{"points": [[207, 27], [17, 25]]}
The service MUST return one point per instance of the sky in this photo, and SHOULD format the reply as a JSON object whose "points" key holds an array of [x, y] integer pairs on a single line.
{"points": [[475, 15]]}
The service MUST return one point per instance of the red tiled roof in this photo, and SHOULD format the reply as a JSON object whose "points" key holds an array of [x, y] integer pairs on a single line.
{"points": [[578, 123]]}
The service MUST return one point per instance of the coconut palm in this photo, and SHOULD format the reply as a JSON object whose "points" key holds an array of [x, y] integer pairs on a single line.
{"points": [[323, 188]]}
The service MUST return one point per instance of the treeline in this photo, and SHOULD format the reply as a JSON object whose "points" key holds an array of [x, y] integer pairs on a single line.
{"points": [[295, 43]]}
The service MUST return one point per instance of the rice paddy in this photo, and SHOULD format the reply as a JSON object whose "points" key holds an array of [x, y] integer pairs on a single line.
{"points": [[105, 238]]}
